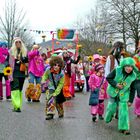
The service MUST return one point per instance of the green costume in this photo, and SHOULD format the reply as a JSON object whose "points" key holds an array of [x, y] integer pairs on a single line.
{"points": [[17, 79], [121, 97], [16, 99]]}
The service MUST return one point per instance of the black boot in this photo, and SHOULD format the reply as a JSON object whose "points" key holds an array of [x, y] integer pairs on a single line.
{"points": [[49, 117], [35, 100], [29, 99], [61, 116], [94, 118]]}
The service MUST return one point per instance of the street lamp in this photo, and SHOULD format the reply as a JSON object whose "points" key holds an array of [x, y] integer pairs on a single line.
{"points": [[53, 33]]}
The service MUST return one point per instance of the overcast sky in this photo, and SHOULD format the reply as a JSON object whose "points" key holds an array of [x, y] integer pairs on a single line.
{"points": [[53, 14]]}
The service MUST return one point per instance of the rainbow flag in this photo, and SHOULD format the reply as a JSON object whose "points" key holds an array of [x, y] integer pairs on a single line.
{"points": [[65, 34]]}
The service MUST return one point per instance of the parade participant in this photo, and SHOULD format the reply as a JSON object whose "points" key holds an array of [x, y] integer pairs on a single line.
{"points": [[95, 61], [72, 79], [98, 85], [86, 68], [67, 70], [113, 58], [18, 58], [46, 65], [121, 90], [35, 71], [103, 60], [4, 63], [44, 86], [137, 98], [55, 97]]}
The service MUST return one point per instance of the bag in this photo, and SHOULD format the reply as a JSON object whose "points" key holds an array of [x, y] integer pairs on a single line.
{"points": [[22, 67], [94, 97], [60, 98]]}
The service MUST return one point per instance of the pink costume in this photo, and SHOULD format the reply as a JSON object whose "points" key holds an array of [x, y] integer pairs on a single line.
{"points": [[4, 62], [137, 106], [36, 63], [94, 82], [72, 80]]}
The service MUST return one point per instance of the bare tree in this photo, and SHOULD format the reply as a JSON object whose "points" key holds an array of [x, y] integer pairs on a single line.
{"points": [[12, 23], [93, 31], [125, 15]]}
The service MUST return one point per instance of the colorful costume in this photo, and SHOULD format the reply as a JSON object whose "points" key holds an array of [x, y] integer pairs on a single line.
{"points": [[4, 62], [55, 85], [137, 98], [72, 80], [114, 57], [67, 71], [36, 71], [121, 97], [18, 57], [96, 82]]}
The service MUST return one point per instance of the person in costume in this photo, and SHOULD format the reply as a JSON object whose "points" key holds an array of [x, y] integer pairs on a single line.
{"points": [[86, 68], [98, 83], [46, 66], [113, 60], [36, 70], [114, 57], [95, 61], [73, 79], [103, 60], [121, 91], [137, 98], [67, 70], [55, 97], [4, 63], [18, 58]]}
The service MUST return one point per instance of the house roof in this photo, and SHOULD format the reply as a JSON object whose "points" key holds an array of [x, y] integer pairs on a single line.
{"points": [[57, 44]]}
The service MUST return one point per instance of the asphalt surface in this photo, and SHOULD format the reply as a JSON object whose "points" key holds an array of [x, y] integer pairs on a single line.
{"points": [[77, 124]]}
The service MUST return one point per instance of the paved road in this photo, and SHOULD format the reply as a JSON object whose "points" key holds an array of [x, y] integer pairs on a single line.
{"points": [[30, 124]]}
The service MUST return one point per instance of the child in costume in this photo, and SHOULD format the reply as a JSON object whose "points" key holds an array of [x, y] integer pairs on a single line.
{"points": [[121, 90], [4, 62], [55, 97], [98, 83], [96, 60], [137, 98], [18, 58], [35, 70]]}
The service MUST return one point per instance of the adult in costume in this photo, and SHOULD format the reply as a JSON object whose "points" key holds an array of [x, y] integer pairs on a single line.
{"points": [[55, 97], [4, 63], [86, 68], [114, 57], [113, 60], [36, 70], [121, 90], [67, 70], [18, 58]]}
